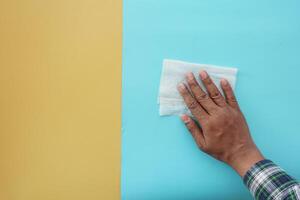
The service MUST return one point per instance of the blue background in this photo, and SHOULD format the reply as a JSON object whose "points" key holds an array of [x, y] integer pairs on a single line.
{"points": [[259, 37]]}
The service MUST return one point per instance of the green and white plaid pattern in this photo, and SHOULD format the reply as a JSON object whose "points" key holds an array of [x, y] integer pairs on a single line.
{"points": [[267, 181]]}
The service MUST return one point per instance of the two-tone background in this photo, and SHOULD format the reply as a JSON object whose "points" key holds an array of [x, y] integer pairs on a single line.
{"points": [[78, 95]]}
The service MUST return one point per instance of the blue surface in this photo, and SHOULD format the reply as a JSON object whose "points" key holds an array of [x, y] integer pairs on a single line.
{"points": [[260, 37]]}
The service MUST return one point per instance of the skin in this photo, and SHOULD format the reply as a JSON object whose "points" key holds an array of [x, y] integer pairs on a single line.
{"points": [[221, 129]]}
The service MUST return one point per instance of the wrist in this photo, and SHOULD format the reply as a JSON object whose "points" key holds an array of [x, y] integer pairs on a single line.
{"points": [[243, 160]]}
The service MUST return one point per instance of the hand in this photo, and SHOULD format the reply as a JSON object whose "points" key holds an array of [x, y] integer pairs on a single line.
{"points": [[223, 132]]}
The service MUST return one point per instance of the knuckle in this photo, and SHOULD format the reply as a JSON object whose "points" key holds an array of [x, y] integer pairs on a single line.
{"points": [[183, 91], [232, 99], [192, 83], [202, 96], [191, 128], [192, 105], [227, 87], [208, 81], [216, 95]]}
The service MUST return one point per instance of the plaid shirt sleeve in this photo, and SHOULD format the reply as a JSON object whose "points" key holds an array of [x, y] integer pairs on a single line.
{"points": [[266, 180]]}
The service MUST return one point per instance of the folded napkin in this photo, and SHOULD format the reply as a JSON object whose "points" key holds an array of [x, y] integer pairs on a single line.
{"points": [[173, 72]]}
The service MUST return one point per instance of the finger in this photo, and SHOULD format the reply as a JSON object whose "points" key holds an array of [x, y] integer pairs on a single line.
{"points": [[192, 103], [207, 103], [195, 130], [212, 89], [229, 94]]}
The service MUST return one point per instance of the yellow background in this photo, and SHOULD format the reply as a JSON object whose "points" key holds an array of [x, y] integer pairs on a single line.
{"points": [[60, 73]]}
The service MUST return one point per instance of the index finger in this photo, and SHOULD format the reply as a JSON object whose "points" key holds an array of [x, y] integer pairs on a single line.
{"points": [[193, 105]]}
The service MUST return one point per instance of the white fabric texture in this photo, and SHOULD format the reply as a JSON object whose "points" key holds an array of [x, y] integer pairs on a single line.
{"points": [[174, 72]]}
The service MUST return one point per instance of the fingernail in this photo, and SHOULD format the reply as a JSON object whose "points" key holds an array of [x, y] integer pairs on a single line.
{"points": [[203, 75], [181, 86], [190, 76], [185, 118], [224, 82]]}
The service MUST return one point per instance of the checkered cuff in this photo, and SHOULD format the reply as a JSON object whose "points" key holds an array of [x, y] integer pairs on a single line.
{"points": [[266, 180]]}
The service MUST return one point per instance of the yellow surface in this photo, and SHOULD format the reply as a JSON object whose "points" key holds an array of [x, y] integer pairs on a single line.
{"points": [[60, 73]]}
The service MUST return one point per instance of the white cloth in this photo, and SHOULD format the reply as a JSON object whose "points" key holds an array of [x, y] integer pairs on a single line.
{"points": [[173, 72]]}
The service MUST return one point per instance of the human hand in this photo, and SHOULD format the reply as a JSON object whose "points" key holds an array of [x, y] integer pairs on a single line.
{"points": [[223, 132]]}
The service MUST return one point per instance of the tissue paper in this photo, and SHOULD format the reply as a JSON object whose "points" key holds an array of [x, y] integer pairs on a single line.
{"points": [[173, 73]]}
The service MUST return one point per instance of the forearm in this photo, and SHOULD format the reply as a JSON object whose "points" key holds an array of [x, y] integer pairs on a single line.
{"points": [[266, 180]]}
